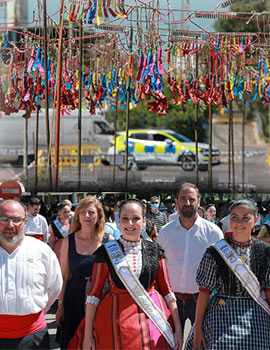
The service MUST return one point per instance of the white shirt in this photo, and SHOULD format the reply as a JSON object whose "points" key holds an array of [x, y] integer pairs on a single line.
{"points": [[30, 278], [226, 225], [38, 225], [173, 216], [184, 250]]}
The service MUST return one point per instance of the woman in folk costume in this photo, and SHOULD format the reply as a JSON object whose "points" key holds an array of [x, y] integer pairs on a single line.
{"points": [[133, 314], [238, 267]]}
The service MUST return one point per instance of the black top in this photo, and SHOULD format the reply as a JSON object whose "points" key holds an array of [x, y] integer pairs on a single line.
{"points": [[213, 271], [151, 254]]}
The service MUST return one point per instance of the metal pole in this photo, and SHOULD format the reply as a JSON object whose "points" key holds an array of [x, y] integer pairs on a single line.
{"points": [[45, 34], [229, 147], [243, 145], [233, 164], [127, 114], [210, 180], [36, 149], [196, 124], [25, 155], [80, 107], [58, 95], [268, 151], [114, 136]]}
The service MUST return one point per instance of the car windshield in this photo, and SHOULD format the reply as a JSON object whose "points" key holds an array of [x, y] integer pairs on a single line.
{"points": [[180, 137], [102, 128]]}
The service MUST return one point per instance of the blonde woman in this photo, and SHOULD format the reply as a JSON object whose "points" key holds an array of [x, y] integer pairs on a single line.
{"points": [[76, 260]]}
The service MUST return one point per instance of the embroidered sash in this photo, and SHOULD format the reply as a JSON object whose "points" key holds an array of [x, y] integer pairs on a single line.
{"points": [[242, 272], [137, 291]]}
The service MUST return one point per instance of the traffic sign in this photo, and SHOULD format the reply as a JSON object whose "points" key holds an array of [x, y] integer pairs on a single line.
{"points": [[10, 189]]}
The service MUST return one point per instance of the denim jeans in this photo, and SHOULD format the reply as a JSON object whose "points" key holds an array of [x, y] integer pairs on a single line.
{"points": [[37, 340], [186, 310]]}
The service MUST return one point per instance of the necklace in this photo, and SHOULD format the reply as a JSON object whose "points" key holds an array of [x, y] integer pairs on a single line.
{"points": [[133, 254], [241, 244], [242, 249]]}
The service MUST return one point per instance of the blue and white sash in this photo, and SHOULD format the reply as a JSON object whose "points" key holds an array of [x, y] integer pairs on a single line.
{"points": [[60, 228], [242, 272], [137, 291]]}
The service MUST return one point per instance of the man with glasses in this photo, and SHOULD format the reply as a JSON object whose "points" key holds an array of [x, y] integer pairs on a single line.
{"points": [[157, 217], [185, 240], [30, 280], [36, 226]]}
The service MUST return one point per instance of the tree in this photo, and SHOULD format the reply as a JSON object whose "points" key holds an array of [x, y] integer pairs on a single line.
{"points": [[253, 25], [239, 24]]}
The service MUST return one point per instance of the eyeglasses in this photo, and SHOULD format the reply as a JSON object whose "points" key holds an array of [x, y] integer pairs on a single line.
{"points": [[16, 221], [154, 202]]}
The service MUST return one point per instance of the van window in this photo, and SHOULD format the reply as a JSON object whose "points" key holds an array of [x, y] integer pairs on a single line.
{"points": [[139, 136], [102, 128]]}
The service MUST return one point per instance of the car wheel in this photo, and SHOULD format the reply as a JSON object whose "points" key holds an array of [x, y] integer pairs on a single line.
{"points": [[131, 161], [187, 161]]}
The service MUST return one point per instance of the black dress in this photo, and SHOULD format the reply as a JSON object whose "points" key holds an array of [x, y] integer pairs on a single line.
{"points": [[77, 287]]}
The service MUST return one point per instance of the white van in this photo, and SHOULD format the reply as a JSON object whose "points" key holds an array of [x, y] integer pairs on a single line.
{"points": [[95, 131]]}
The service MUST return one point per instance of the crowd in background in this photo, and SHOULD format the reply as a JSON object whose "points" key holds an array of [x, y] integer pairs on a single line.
{"points": [[210, 209]]}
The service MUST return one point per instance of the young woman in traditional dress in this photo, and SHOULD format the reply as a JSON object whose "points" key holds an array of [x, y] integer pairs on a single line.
{"points": [[118, 320], [238, 268]]}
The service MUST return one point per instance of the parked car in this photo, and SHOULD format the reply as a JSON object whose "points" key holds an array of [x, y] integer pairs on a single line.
{"points": [[160, 147]]}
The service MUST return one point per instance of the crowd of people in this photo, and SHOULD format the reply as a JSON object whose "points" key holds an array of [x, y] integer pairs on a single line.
{"points": [[127, 275]]}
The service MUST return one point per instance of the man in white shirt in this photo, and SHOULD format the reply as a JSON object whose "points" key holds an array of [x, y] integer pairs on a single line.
{"points": [[30, 280], [36, 226], [185, 240]]}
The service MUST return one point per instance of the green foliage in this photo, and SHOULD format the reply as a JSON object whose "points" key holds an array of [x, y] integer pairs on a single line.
{"points": [[179, 119], [240, 24], [243, 25]]}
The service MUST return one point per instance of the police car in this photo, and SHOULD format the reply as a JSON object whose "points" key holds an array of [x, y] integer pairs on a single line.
{"points": [[160, 147]]}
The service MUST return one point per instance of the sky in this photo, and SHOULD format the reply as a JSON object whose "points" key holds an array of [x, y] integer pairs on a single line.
{"points": [[198, 5]]}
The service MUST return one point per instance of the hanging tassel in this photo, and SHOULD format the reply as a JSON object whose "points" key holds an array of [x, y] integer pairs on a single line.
{"points": [[104, 9], [31, 62], [76, 14], [69, 11], [121, 8], [169, 58], [71, 17], [100, 14], [159, 62], [110, 9], [81, 15], [115, 10], [35, 66]]}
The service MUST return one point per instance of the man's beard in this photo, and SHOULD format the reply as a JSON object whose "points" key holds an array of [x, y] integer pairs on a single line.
{"points": [[188, 213], [13, 241]]}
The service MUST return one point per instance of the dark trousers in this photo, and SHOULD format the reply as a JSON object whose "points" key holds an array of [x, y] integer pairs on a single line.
{"points": [[38, 340], [186, 310]]}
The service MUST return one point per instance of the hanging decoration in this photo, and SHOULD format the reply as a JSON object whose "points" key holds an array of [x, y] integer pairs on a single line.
{"points": [[231, 65]]}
